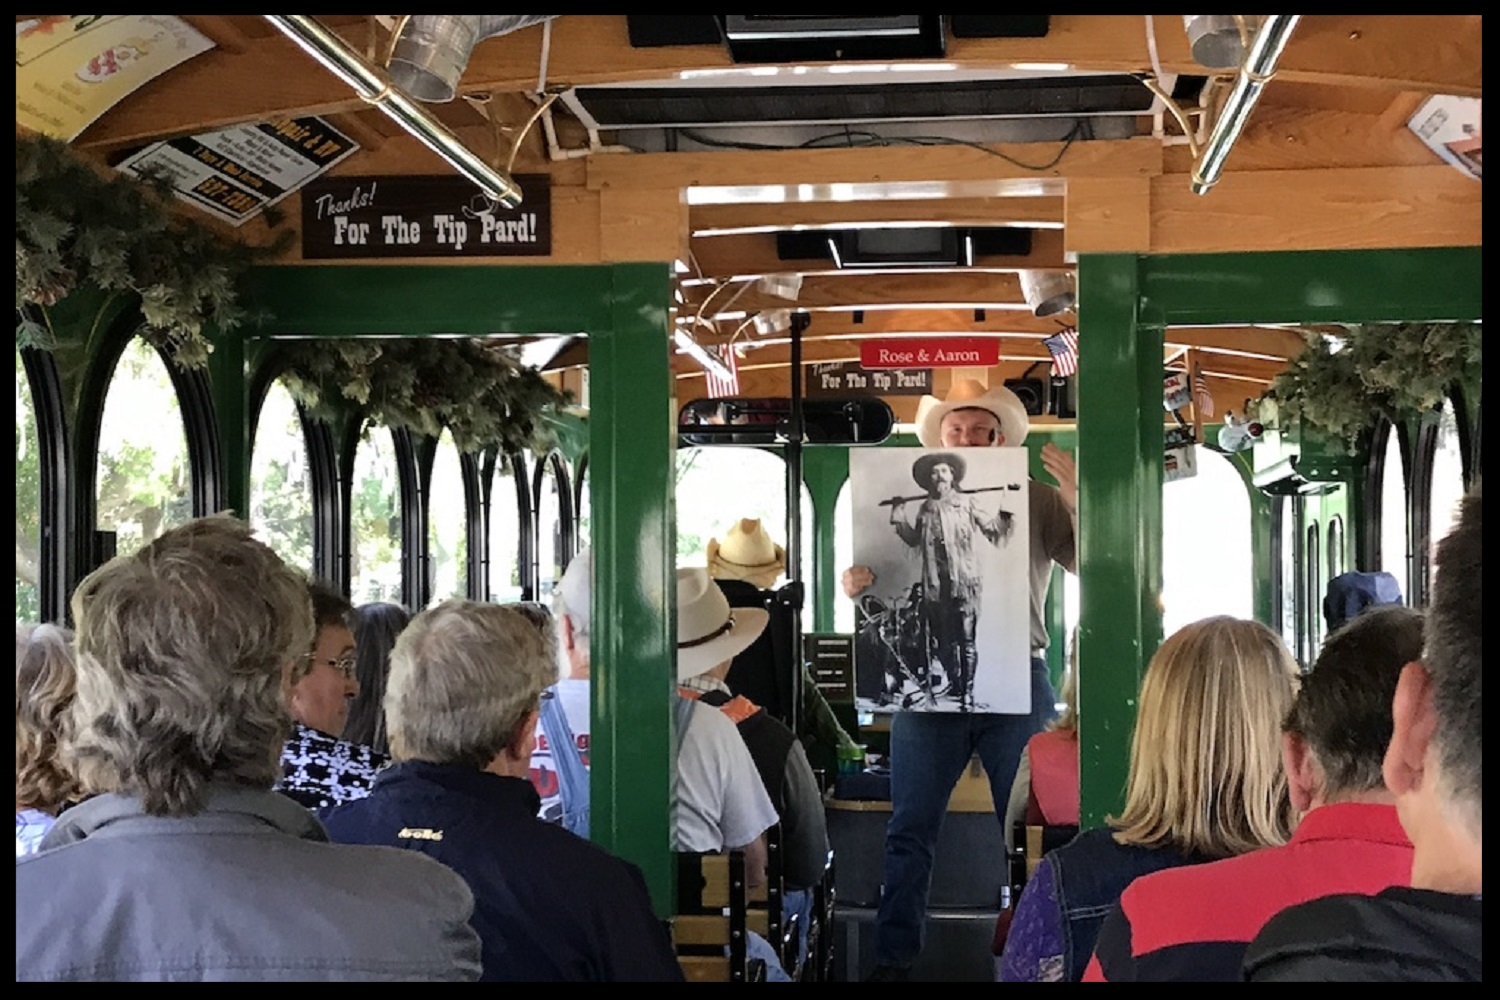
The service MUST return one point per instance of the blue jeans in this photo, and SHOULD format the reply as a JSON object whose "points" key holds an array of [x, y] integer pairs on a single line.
{"points": [[929, 751]]}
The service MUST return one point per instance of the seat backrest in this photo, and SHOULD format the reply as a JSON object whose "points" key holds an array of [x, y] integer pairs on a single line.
{"points": [[709, 931]]}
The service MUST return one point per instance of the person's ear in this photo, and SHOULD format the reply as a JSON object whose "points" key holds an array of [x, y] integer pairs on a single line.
{"points": [[524, 742], [569, 642], [1414, 723], [1304, 778]]}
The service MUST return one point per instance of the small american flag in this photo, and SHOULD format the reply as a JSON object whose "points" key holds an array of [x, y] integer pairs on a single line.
{"points": [[1064, 348], [1202, 398], [718, 386]]}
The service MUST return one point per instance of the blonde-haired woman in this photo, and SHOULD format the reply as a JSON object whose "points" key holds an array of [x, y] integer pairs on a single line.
{"points": [[1205, 782], [44, 691]]}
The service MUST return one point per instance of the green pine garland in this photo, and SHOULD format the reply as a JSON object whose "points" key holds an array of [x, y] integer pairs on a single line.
{"points": [[77, 225], [1396, 370], [478, 390]]}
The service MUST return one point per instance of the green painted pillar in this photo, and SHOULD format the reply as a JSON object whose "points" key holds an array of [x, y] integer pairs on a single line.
{"points": [[1120, 469], [824, 470], [633, 648], [231, 396]]}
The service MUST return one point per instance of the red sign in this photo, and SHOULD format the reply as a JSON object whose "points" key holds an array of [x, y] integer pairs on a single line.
{"points": [[930, 352]]}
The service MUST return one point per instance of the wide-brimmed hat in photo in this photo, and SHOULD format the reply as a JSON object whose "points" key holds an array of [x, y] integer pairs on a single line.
{"points": [[709, 631], [921, 469], [970, 393], [747, 553]]}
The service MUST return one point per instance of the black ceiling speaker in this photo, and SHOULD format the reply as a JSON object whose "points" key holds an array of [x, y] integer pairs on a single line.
{"points": [[1032, 392], [1065, 397]]}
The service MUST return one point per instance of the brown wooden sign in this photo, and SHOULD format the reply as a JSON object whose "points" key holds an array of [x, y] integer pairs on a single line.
{"points": [[846, 378], [358, 218]]}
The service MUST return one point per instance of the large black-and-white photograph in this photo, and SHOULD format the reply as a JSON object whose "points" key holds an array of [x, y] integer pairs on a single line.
{"points": [[944, 627]]}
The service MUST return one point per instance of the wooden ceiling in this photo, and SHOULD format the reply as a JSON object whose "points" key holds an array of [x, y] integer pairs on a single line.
{"points": [[1325, 161]]}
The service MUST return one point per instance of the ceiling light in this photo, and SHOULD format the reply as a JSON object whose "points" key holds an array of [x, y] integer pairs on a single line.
{"points": [[1215, 40], [1048, 292]]}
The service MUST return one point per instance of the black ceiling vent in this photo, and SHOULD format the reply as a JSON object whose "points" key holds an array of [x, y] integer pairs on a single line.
{"points": [[776, 38], [932, 246], [657, 30], [999, 25], [686, 107]]}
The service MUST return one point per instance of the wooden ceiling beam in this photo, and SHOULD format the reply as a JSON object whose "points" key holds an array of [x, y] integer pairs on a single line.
{"points": [[271, 78]]}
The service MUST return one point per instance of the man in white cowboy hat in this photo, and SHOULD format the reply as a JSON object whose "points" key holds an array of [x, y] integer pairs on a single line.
{"points": [[947, 533], [719, 801], [929, 750]]}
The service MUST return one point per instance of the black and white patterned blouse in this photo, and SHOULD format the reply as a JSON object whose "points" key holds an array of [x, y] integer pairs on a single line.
{"points": [[320, 771]]}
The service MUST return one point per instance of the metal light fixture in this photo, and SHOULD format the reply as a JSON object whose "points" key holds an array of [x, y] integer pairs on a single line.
{"points": [[1048, 292], [370, 84], [772, 321], [432, 50], [1258, 69], [1217, 41]]}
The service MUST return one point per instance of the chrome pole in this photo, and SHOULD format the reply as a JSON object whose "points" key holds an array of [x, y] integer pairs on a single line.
{"points": [[1255, 73], [371, 85]]}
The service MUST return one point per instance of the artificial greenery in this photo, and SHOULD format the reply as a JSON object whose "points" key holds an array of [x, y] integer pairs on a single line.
{"points": [[1338, 385], [77, 224], [476, 389]]}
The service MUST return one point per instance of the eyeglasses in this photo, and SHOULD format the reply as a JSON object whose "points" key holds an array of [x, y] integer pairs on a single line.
{"points": [[344, 664]]}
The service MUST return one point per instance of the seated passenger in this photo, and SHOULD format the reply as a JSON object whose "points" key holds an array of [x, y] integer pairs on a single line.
{"points": [[1434, 930], [1192, 924], [376, 626], [184, 865], [747, 565], [1205, 782], [44, 692], [319, 769], [462, 702], [718, 800], [780, 759]]}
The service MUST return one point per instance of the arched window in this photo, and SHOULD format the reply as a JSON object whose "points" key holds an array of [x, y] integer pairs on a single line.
{"points": [[1393, 520], [505, 532], [28, 502], [143, 481], [1284, 518], [552, 504], [1335, 546], [1206, 548], [375, 520], [281, 501], [1447, 485], [1313, 597], [447, 524], [720, 485], [581, 505]]}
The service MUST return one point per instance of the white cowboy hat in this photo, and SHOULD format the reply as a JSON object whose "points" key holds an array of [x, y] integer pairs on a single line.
{"points": [[970, 393], [747, 553], [709, 631]]}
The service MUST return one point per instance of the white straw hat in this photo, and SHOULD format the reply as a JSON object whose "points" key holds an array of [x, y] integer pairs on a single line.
{"points": [[968, 394], [709, 631], [747, 553]]}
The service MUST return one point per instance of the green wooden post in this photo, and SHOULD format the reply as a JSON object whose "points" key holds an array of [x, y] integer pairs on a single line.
{"points": [[633, 650], [1120, 462], [231, 395], [824, 470]]}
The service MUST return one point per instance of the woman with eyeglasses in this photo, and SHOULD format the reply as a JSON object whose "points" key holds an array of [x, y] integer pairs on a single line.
{"points": [[318, 768]]}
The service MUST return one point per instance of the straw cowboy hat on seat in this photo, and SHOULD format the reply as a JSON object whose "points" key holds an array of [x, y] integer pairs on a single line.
{"points": [[747, 553], [971, 393], [709, 631]]}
